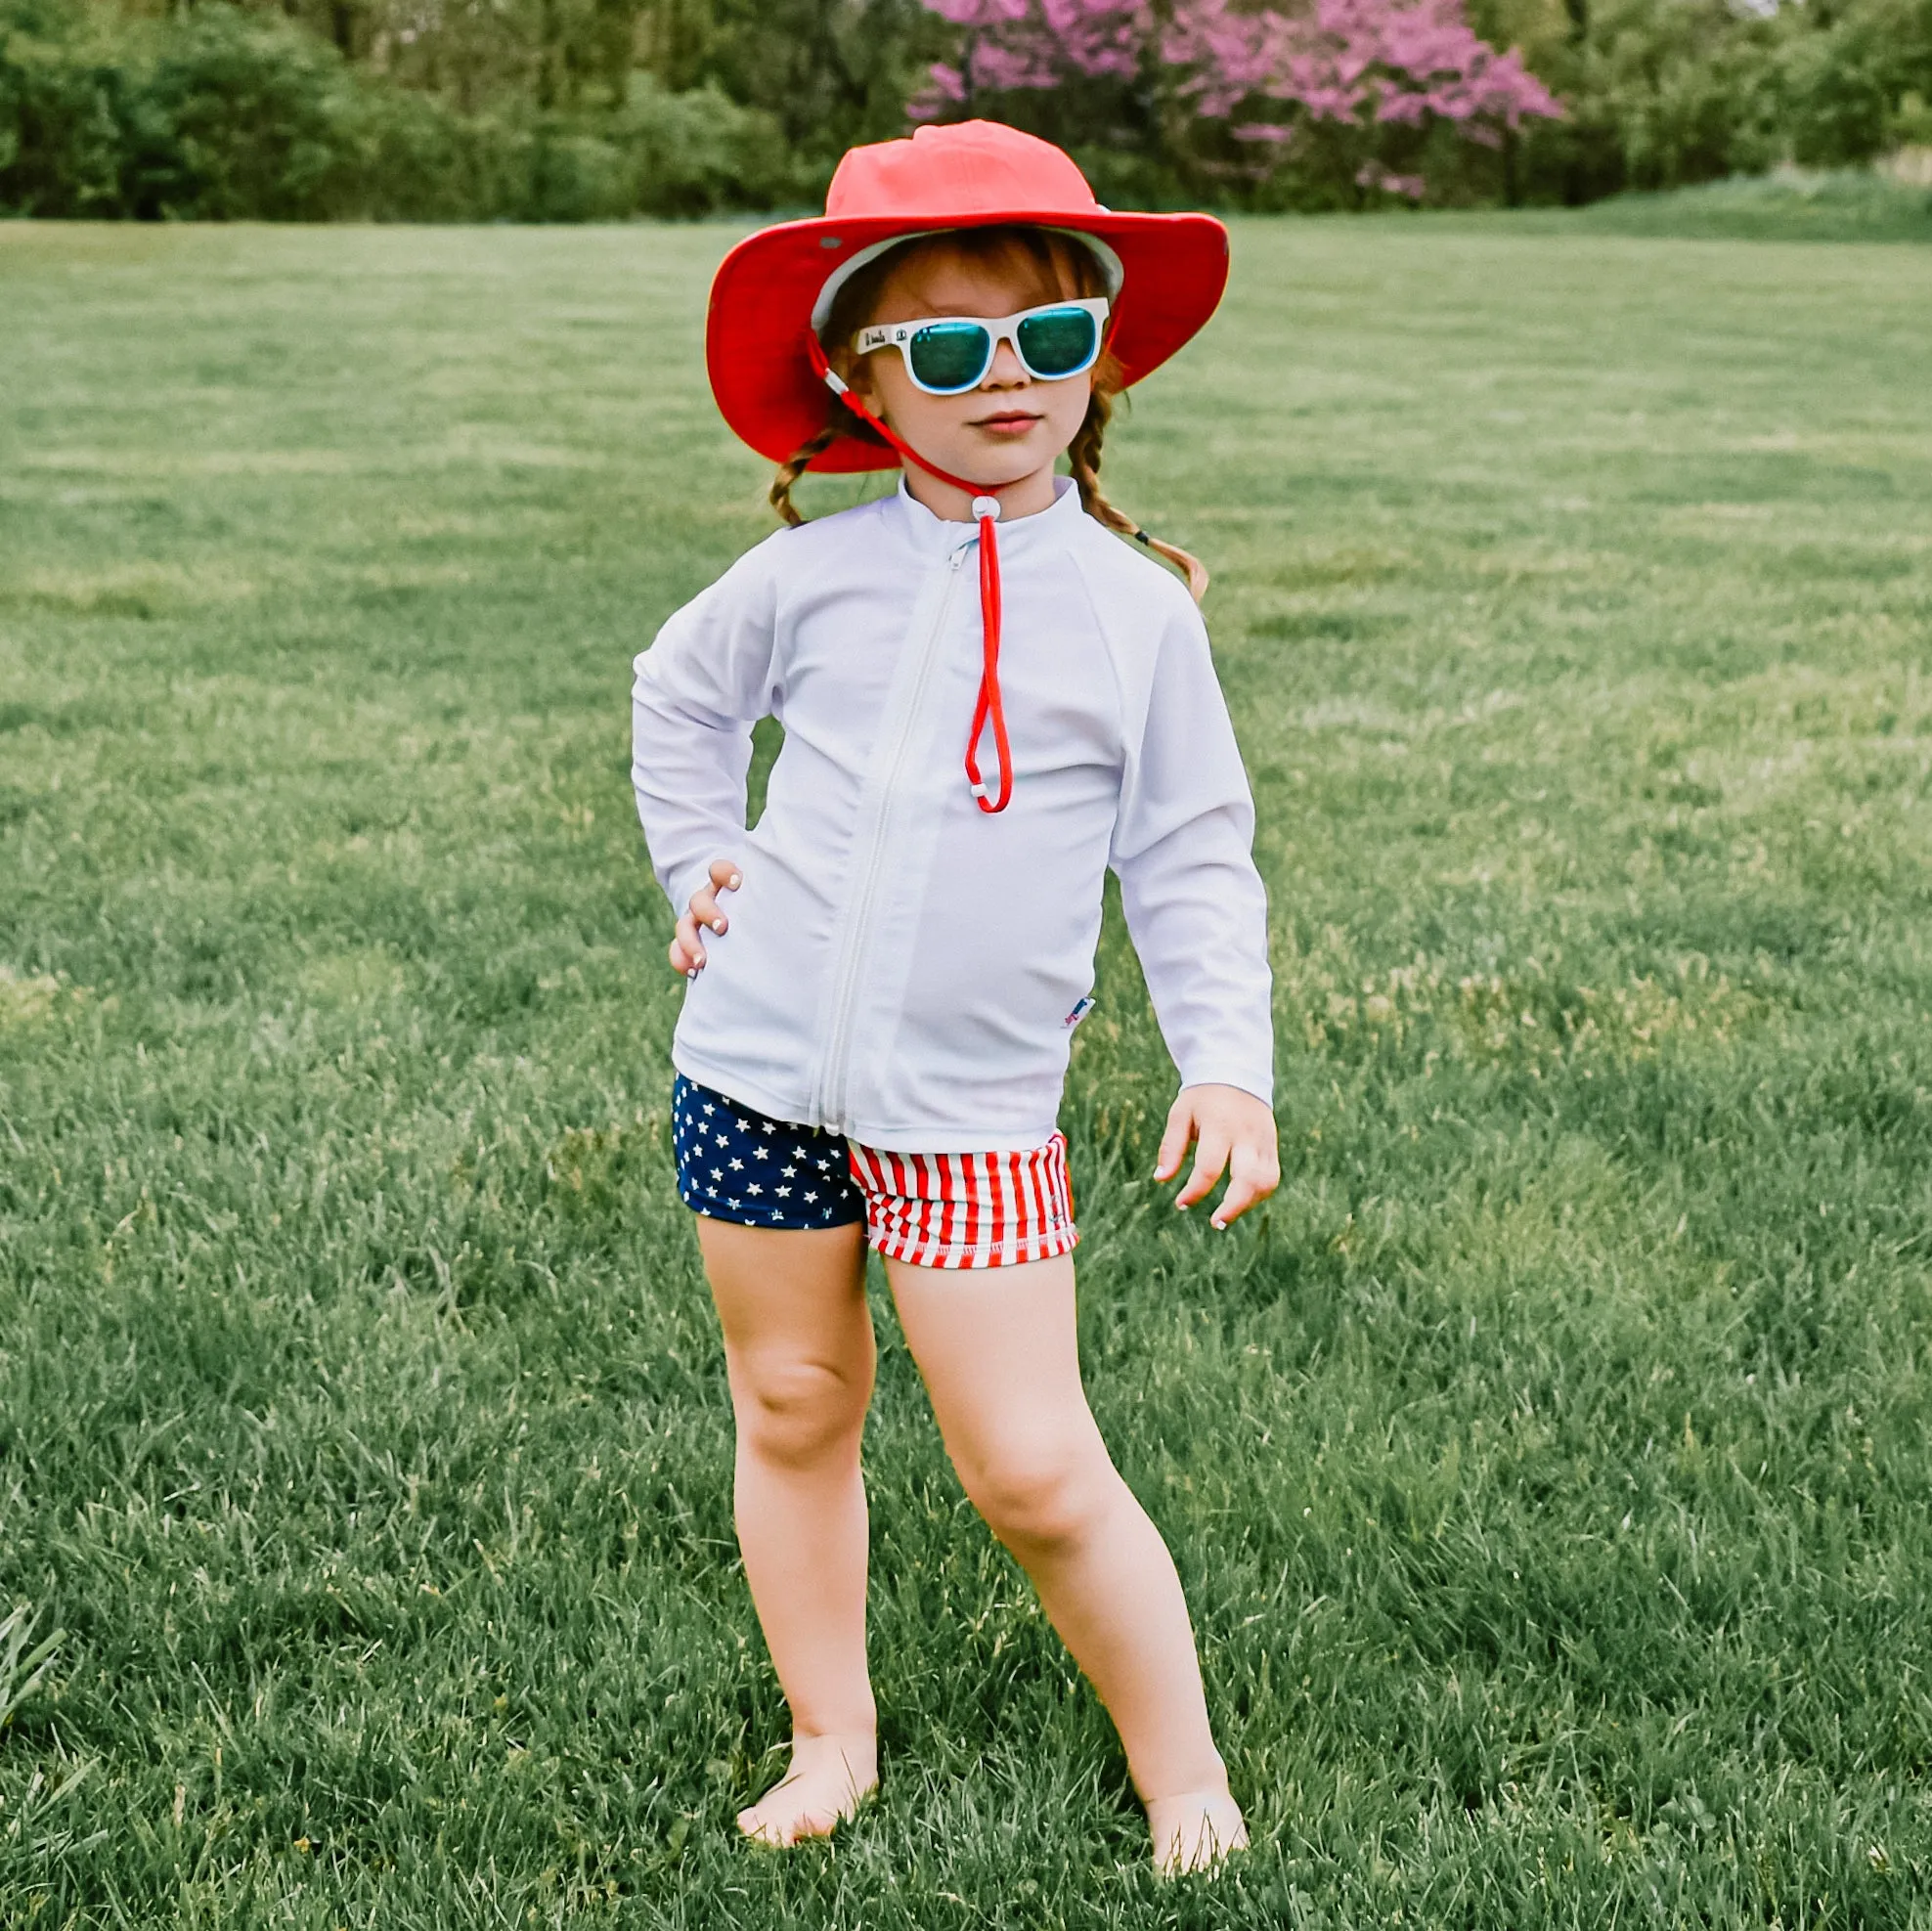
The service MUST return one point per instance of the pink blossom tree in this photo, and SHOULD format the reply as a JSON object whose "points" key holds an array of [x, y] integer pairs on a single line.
{"points": [[1361, 94], [1017, 45]]}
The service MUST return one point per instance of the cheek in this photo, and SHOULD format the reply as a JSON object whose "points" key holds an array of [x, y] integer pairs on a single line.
{"points": [[894, 393], [1070, 407], [910, 410]]}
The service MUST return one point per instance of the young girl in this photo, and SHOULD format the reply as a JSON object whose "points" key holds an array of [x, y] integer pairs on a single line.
{"points": [[988, 700]]}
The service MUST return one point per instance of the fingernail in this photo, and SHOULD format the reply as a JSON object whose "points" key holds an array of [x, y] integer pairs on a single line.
{"points": [[717, 925], [736, 881], [690, 972]]}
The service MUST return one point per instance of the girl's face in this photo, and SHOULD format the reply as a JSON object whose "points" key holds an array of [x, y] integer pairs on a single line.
{"points": [[1012, 426]]}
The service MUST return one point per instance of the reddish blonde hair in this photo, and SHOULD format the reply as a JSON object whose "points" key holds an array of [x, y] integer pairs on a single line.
{"points": [[1064, 268]]}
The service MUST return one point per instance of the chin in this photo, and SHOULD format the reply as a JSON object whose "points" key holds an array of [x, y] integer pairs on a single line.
{"points": [[1000, 475], [1022, 454]]}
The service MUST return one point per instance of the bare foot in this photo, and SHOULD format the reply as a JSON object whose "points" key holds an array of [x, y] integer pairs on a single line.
{"points": [[829, 1777], [1195, 1830]]}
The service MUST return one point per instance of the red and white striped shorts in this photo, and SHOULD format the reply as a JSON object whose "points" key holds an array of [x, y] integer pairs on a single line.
{"points": [[967, 1209]]}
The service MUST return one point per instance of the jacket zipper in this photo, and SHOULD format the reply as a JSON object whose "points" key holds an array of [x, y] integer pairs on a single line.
{"points": [[851, 961]]}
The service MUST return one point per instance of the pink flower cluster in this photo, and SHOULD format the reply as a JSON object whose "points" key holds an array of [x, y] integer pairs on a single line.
{"points": [[1262, 72], [1035, 44], [1353, 60]]}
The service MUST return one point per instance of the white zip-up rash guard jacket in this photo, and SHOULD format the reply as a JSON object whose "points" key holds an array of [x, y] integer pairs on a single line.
{"points": [[900, 966]]}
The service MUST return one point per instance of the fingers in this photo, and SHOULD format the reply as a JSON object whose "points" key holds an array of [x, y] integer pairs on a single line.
{"points": [[1210, 1158], [687, 955], [725, 877], [1173, 1142], [1253, 1174], [1233, 1133]]}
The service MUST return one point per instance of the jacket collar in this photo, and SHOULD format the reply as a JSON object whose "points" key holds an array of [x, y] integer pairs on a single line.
{"points": [[935, 536]]}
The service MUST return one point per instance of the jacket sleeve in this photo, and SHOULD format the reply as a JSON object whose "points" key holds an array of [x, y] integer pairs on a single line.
{"points": [[1194, 903], [700, 688]]}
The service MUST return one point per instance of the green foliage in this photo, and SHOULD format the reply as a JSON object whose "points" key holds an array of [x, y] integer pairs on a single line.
{"points": [[243, 115], [828, 72], [573, 109], [694, 151], [1666, 93], [1547, 1465], [1853, 87], [1689, 87], [224, 114], [63, 113]]}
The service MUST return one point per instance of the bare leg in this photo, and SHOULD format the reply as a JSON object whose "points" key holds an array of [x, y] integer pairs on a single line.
{"points": [[1001, 1356], [799, 1354]]}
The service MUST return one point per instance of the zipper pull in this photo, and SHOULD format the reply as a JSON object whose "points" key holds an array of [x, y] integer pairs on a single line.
{"points": [[958, 558]]}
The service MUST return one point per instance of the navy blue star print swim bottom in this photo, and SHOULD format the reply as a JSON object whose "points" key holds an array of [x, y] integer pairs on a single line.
{"points": [[736, 1165], [990, 1210]]}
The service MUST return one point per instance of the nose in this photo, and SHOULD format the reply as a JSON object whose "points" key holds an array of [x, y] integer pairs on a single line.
{"points": [[1007, 371]]}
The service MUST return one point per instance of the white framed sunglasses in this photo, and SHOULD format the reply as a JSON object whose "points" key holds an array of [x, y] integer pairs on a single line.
{"points": [[945, 355]]}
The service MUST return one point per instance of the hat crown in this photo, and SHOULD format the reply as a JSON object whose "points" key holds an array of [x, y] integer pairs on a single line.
{"points": [[957, 171]]}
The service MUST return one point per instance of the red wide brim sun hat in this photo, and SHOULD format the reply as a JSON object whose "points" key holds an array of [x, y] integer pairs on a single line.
{"points": [[1171, 270]]}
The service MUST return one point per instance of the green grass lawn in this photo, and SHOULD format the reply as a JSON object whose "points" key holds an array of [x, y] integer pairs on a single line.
{"points": [[1548, 1464]]}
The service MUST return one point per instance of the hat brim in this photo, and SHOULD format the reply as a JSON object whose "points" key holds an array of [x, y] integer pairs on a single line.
{"points": [[1175, 267]]}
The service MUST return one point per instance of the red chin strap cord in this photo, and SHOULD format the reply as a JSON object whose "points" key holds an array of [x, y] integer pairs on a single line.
{"points": [[986, 508]]}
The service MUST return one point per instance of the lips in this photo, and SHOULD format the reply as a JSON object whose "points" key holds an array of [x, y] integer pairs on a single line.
{"points": [[1009, 422]]}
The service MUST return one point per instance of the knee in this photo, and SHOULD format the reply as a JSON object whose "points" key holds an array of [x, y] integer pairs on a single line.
{"points": [[797, 1412], [1042, 1496]]}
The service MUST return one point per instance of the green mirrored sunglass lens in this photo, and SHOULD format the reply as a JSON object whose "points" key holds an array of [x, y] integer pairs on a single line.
{"points": [[1059, 341], [949, 355]]}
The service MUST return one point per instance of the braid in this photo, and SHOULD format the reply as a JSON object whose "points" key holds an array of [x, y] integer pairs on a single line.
{"points": [[791, 471], [1083, 463]]}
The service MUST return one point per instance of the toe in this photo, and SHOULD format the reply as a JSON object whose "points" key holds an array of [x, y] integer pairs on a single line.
{"points": [[1196, 1835], [761, 1830]]}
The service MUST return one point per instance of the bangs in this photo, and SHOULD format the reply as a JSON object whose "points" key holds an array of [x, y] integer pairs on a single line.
{"points": [[1044, 266]]}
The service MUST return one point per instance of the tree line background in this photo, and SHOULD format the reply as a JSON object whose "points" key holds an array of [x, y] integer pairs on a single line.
{"points": [[571, 109]]}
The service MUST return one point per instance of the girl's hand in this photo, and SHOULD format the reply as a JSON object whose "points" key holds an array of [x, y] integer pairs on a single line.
{"points": [[686, 950], [1234, 1132]]}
